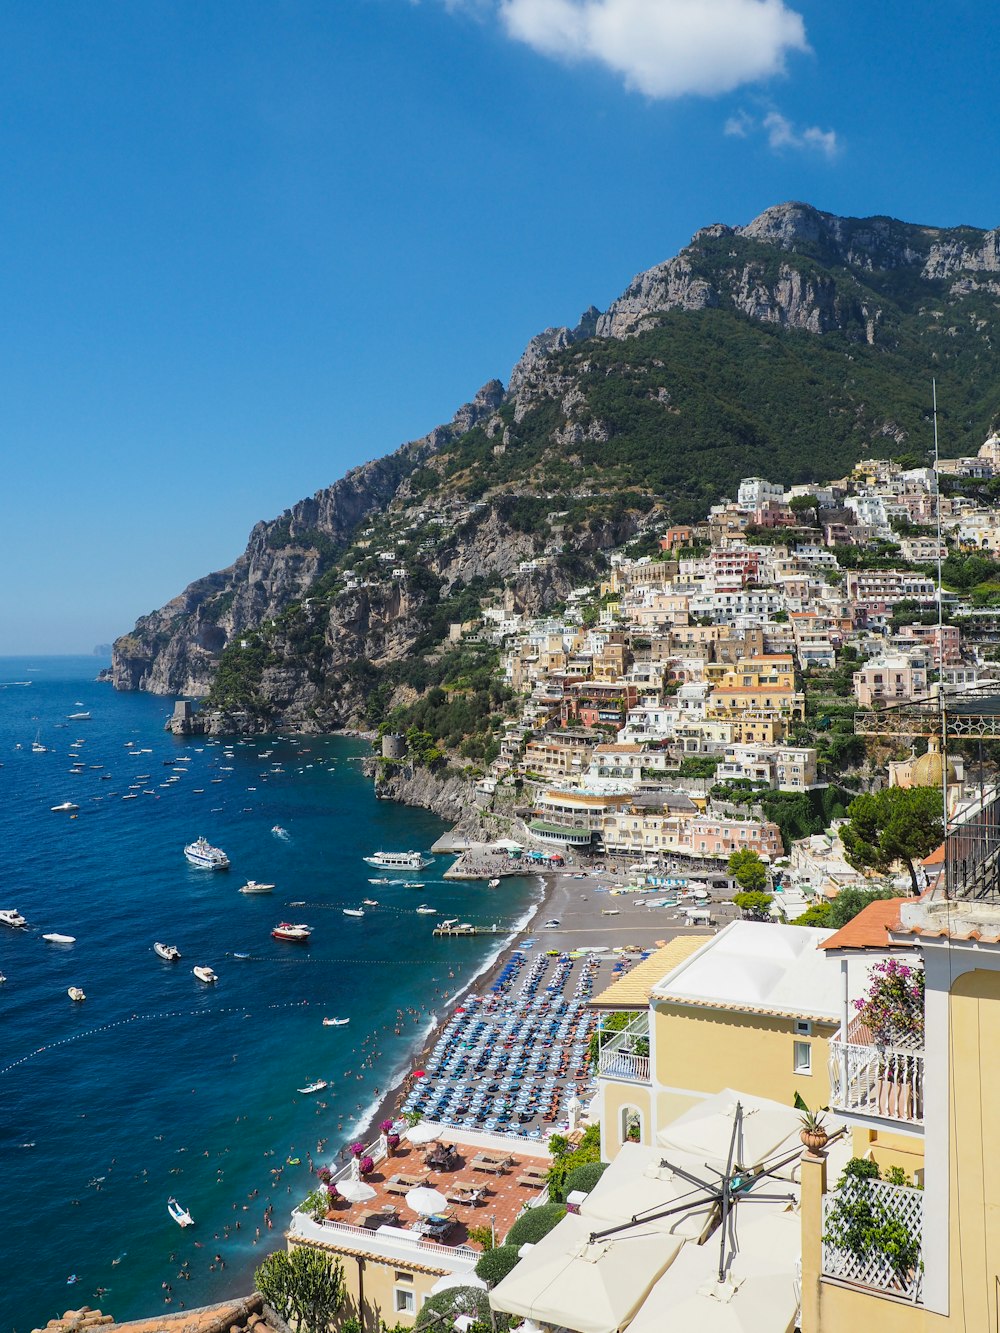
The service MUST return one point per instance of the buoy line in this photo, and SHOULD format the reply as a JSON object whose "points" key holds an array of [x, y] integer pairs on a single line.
{"points": [[377, 962]]}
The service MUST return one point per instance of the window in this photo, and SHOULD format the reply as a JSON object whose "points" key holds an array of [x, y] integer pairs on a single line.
{"points": [[802, 1057], [404, 1301]]}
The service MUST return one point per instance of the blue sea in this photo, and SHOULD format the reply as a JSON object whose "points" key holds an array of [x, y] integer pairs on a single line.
{"points": [[157, 1085]]}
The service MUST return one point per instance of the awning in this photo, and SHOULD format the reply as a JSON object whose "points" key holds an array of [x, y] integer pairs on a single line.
{"points": [[767, 1131], [590, 1288]]}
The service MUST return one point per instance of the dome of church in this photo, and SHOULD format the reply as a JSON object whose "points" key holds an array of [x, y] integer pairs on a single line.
{"points": [[926, 771]]}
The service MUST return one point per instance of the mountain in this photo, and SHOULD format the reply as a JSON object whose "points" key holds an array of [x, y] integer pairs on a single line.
{"points": [[788, 348]]}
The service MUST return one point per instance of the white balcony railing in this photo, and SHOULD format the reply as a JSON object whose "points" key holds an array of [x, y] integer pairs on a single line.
{"points": [[890, 1259], [883, 1081], [625, 1055]]}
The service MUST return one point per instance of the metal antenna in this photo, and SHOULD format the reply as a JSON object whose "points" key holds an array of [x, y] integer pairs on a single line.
{"points": [[940, 637]]}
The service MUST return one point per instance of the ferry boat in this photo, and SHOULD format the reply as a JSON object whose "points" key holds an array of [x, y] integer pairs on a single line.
{"points": [[179, 1213], [287, 930], [200, 853], [398, 860], [168, 952]]}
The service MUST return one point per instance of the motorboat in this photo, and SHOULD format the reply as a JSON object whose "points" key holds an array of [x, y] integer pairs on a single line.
{"points": [[76, 994], [202, 854], [414, 883], [370, 902], [317, 1086], [205, 974], [296, 933], [66, 805], [168, 952], [179, 1213], [251, 886], [279, 832], [10, 916], [398, 860], [427, 911], [493, 884], [379, 879], [37, 747], [78, 717], [335, 1022], [60, 939], [354, 911]]}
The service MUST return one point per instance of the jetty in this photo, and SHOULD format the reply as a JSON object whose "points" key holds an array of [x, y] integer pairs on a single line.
{"points": [[465, 928]]}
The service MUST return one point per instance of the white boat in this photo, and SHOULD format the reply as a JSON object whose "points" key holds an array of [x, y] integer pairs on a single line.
{"points": [[413, 883], [78, 717], [180, 1214], [354, 911], [66, 805], [335, 1022], [493, 884], [379, 879], [251, 886], [398, 860], [76, 994], [427, 911], [168, 952], [318, 1086], [202, 854], [205, 974], [279, 832], [36, 745], [60, 939], [10, 916], [294, 931], [370, 902]]}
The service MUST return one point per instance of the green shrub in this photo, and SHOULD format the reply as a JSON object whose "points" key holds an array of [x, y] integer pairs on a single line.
{"points": [[585, 1177], [494, 1265], [531, 1226]]}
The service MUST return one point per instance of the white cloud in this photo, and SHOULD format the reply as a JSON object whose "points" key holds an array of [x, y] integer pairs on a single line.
{"points": [[663, 48], [782, 133]]}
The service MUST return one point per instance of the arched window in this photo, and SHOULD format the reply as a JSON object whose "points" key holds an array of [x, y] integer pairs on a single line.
{"points": [[630, 1125]]}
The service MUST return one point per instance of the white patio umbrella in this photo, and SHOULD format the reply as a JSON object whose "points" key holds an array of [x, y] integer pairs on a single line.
{"points": [[638, 1183], [751, 1299], [457, 1280], [425, 1131], [572, 1283], [767, 1130], [355, 1191], [426, 1201]]}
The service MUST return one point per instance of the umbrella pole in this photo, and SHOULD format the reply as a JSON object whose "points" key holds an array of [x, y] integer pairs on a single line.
{"points": [[726, 1188]]}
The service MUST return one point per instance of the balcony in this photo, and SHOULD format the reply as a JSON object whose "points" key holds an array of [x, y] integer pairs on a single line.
{"points": [[886, 1082], [625, 1055]]}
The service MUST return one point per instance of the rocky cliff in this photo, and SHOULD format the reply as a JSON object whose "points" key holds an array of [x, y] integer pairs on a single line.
{"points": [[790, 346]]}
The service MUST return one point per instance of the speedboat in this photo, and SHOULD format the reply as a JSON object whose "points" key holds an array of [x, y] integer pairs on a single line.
{"points": [[10, 916], [317, 1086], [66, 805], [205, 974], [335, 1022], [75, 993], [414, 884], [398, 860], [370, 902], [78, 717], [287, 930], [493, 884], [60, 939], [168, 952], [279, 832], [200, 853], [354, 911], [427, 911], [379, 879], [251, 886], [179, 1213]]}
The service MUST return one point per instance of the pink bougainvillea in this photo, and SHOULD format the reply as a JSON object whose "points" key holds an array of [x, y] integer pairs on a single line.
{"points": [[893, 1006]]}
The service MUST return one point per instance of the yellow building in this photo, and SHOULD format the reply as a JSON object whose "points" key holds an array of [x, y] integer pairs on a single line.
{"points": [[764, 686], [928, 1106], [752, 1008]]}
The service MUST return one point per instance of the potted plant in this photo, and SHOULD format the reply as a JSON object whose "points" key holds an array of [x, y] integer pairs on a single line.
{"points": [[357, 1149], [392, 1141], [813, 1132], [366, 1165]]}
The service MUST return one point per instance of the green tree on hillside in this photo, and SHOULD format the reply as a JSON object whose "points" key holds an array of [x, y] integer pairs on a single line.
{"points": [[892, 825], [748, 870]]}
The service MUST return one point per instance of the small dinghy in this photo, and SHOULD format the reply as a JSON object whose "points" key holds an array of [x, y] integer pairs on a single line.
{"points": [[179, 1213], [354, 911], [76, 994], [335, 1022], [205, 974], [318, 1086]]}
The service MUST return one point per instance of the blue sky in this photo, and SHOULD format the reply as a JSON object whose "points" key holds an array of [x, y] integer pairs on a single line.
{"points": [[245, 246]]}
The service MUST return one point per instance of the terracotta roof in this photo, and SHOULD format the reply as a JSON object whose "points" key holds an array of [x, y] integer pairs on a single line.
{"points": [[870, 928], [632, 991], [936, 857]]}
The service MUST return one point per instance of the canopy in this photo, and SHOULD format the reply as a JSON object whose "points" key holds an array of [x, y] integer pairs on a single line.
{"points": [[757, 1295], [590, 1288], [426, 1201], [457, 1280], [768, 1129], [637, 1182], [355, 1191], [424, 1132]]}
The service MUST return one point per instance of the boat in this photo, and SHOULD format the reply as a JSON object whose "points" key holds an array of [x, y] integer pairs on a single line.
{"points": [[354, 911], [398, 860], [427, 911], [251, 886], [287, 930], [168, 952], [379, 879], [10, 916], [370, 902], [78, 717], [493, 884], [180, 1214], [414, 883], [60, 939], [76, 994], [317, 1086], [66, 805], [335, 1022], [279, 832], [205, 974], [36, 745], [202, 854]]}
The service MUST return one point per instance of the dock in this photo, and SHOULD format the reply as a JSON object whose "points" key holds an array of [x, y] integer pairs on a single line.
{"points": [[454, 928]]}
